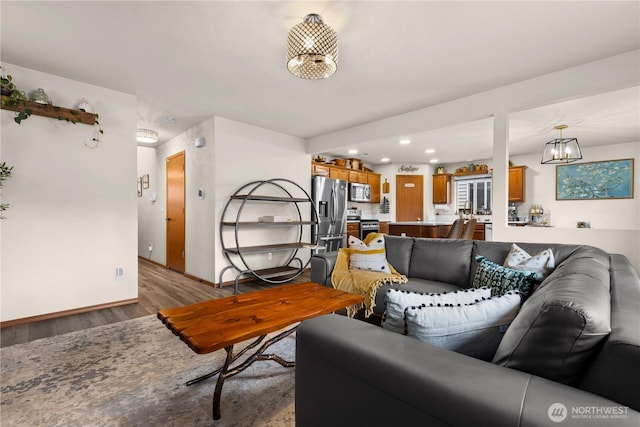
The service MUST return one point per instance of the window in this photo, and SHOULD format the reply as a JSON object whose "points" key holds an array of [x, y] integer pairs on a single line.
{"points": [[474, 194]]}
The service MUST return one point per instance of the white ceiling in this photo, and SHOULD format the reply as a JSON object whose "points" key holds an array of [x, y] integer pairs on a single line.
{"points": [[192, 60]]}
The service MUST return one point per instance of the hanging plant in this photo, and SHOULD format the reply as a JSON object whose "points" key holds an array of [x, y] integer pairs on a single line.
{"points": [[5, 172], [15, 98]]}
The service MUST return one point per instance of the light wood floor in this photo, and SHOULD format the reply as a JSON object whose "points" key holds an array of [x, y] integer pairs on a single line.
{"points": [[158, 288]]}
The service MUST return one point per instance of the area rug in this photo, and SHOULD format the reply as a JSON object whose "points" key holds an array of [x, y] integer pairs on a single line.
{"points": [[133, 373]]}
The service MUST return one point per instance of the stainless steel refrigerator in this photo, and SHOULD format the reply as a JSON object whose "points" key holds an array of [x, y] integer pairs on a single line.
{"points": [[330, 199]]}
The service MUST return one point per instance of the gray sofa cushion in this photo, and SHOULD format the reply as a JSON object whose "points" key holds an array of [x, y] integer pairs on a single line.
{"points": [[399, 252], [442, 260], [610, 374], [559, 328]]}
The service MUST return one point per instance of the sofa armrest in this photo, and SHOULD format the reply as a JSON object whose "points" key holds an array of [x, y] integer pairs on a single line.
{"points": [[349, 372], [321, 267]]}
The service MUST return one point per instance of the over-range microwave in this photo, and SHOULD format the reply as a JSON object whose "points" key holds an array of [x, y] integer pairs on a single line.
{"points": [[359, 192]]}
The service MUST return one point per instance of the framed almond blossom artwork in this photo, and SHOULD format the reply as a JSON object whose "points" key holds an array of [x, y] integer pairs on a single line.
{"points": [[610, 179]]}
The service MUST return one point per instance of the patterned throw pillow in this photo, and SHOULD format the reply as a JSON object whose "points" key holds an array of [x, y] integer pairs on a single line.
{"points": [[397, 300], [541, 263], [473, 329], [502, 279], [370, 254]]}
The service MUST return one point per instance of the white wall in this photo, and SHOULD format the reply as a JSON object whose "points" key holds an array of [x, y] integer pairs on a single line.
{"points": [[234, 154], [615, 223], [73, 214]]}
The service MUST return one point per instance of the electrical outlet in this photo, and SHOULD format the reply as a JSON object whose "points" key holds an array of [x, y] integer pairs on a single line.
{"points": [[119, 273], [269, 256]]}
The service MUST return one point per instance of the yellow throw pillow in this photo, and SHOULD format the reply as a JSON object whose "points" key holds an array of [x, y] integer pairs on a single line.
{"points": [[370, 254]]}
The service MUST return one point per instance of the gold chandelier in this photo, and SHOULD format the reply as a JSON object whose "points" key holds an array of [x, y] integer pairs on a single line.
{"points": [[312, 49], [561, 150]]}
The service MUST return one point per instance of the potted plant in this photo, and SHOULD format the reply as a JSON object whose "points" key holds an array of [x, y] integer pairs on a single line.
{"points": [[5, 172], [12, 97]]}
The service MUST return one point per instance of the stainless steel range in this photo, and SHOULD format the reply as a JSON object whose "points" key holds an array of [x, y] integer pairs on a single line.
{"points": [[368, 226]]}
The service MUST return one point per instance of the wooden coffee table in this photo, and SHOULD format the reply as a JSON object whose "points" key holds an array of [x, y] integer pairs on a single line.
{"points": [[211, 325]]}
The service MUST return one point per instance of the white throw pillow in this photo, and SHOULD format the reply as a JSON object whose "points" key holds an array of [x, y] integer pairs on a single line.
{"points": [[475, 330], [397, 300], [541, 263], [370, 254]]}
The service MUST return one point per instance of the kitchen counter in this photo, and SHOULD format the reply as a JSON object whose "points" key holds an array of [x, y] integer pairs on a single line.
{"points": [[436, 228], [448, 220], [427, 223]]}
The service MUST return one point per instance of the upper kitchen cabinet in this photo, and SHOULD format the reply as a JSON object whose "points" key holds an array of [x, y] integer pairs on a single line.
{"points": [[339, 174], [517, 176], [350, 175], [373, 179], [441, 188], [356, 176]]}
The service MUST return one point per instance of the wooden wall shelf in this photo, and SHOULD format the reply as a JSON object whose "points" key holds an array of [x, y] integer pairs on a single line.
{"points": [[476, 172], [51, 111]]}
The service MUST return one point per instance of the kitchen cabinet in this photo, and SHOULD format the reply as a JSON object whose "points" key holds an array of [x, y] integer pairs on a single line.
{"points": [[320, 169], [433, 231], [357, 176], [479, 233], [373, 179], [441, 188], [350, 175], [414, 230], [384, 227], [517, 175], [339, 174], [353, 229]]}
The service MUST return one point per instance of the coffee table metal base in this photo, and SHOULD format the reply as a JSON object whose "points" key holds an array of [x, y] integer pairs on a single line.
{"points": [[226, 371]]}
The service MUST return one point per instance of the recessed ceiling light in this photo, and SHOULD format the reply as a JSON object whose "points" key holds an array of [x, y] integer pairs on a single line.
{"points": [[405, 141], [433, 161], [429, 151], [353, 151], [384, 159]]}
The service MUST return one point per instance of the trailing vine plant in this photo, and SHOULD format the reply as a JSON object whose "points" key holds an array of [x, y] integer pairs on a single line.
{"points": [[13, 97], [5, 172]]}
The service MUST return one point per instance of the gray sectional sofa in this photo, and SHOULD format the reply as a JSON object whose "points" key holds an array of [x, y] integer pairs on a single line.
{"points": [[571, 356]]}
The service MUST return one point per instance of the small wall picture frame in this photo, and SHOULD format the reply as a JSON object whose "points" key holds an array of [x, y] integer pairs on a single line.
{"points": [[139, 186], [145, 181]]}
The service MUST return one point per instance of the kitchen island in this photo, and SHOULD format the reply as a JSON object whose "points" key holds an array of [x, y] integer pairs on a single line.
{"points": [[433, 228]]}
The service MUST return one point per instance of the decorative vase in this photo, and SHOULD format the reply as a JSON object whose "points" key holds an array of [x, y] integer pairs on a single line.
{"points": [[86, 107], [40, 96]]}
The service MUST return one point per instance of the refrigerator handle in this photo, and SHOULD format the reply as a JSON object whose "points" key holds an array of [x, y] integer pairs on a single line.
{"points": [[334, 200]]}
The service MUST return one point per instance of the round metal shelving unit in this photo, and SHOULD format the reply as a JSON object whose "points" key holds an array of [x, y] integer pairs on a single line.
{"points": [[276, 190]]}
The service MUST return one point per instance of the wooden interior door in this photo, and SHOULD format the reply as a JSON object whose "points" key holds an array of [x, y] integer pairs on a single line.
{"points": [[175, 212], [409, 198]]}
